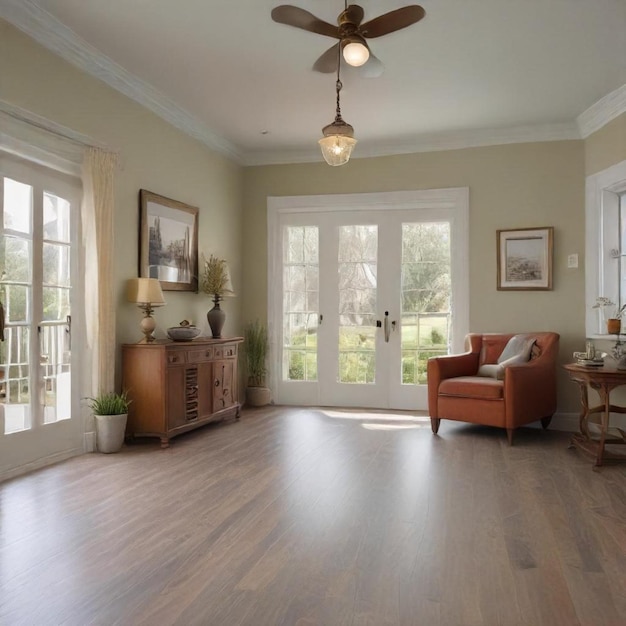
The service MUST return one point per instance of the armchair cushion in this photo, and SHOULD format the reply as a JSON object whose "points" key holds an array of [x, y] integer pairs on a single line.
{"points": [[472, 387], [517, 351], [517, 346]]}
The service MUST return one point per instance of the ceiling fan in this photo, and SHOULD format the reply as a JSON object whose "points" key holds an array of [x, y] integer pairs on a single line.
{"points": [[351, 33]]}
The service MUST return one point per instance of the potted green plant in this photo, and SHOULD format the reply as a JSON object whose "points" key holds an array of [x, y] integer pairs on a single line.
{"points": [[613, 323], [256, 348], [110, 411]]}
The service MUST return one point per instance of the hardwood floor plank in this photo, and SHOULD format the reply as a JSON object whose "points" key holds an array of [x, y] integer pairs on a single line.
{"points": [[311, 517]]}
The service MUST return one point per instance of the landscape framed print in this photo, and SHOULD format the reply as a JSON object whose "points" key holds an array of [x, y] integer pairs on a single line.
{"points": [[168, 242], [525, 259]]}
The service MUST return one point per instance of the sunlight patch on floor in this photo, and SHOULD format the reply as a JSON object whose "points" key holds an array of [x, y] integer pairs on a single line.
{"points": [[380, 421], [371, 426]]}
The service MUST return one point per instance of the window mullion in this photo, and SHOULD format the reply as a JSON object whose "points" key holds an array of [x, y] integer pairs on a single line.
{"points": [[36, 311]]}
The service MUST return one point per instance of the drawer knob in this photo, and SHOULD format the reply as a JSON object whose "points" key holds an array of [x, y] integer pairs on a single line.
{"points": [[217, 382]]}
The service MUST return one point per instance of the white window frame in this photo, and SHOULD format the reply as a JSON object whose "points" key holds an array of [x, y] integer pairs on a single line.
{"points": [[602, 235]]}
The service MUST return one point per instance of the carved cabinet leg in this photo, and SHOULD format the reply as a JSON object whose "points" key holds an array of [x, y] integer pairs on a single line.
{"points": [[434, 424], [165, 442]]}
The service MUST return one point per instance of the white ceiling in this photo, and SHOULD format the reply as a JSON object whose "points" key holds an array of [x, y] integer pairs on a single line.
{"points": [[470, 67]]}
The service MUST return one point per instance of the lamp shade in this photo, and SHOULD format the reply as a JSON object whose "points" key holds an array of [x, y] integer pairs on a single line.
{"points": [[144, 291]]}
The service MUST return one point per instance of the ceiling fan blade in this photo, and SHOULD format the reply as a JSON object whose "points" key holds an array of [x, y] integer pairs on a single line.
{"points": [[372, 69], [295, 16], [327, 63], [392, 21]]}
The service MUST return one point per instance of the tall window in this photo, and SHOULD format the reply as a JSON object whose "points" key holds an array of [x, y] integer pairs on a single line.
{"points": [[300, 302], [605, 258], [39, 224], [426, 290]]}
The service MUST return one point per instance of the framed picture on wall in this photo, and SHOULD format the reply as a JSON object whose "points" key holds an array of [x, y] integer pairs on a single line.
{"points": [[525, 259], [168, 242]]}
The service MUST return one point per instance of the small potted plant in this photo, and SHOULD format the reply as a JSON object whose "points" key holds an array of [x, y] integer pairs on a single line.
{"points": [[110, 411], [256, 347], [613, 323], [216, 282]]}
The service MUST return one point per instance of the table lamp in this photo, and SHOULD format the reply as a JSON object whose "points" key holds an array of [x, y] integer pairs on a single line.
{"points": [[146, 294]]}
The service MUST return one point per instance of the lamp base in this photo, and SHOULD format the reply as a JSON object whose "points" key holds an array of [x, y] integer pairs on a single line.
{"points": [[148, 324], [216, 318]]}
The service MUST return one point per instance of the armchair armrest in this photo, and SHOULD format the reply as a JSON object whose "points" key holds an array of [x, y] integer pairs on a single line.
{"points": [[529, 391], [441, 367]]}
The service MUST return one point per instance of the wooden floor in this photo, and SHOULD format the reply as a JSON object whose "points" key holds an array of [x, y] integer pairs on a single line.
{"points": [[310, 517]]}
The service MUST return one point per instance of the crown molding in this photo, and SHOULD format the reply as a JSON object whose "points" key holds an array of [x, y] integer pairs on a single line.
{"points": [[602, 112], [44, 28], [434, 142]]}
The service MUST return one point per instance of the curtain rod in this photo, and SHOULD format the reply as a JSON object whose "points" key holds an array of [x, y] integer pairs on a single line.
{"points": [[52, 127]]}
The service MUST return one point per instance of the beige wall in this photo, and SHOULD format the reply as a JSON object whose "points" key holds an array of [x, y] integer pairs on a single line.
{"points": [[154, 155], [512, 186], [606, 146]]}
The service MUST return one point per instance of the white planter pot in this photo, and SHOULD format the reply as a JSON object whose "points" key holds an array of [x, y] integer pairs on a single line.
{"points": [[110, 430], [258, 396]]}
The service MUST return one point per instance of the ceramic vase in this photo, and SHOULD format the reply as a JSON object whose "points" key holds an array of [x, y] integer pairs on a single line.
{"points": [[216, 318]]}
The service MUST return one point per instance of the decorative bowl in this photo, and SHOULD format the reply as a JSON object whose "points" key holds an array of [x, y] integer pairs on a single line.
{"points": [[183, 333]]}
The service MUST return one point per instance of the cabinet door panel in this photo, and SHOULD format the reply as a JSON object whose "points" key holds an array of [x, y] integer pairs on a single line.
{"points": [[176, 399], [223, 384], [205, 390]]}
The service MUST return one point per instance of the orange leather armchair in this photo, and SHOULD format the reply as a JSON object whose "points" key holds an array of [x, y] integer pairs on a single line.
{"points": [[527, 392]]}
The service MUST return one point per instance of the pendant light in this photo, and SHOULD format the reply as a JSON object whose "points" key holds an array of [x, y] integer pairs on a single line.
{"points": [[338, 141]]}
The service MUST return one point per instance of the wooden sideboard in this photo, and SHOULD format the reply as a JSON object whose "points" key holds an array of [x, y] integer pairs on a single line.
{"points": [[176, 386]]}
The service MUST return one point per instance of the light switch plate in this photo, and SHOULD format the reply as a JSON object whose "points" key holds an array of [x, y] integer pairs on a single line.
{"points": [[572, 260]]}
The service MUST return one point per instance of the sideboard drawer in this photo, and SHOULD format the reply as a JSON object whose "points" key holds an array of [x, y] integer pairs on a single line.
{"points": [[225, 351], [198, 356], [230, 350], [175, 357]]}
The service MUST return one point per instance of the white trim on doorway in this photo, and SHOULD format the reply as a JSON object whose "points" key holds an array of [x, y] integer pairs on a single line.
{"points": [[454, 200]]}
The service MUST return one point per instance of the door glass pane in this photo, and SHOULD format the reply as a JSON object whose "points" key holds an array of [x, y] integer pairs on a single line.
{"points": [[56, 304], [55, 371], [426, 289], [14, 379], [56, 264], [16, 303], [358, 256], [56, 218], [16, 261], [18, 202], [300, 302]]}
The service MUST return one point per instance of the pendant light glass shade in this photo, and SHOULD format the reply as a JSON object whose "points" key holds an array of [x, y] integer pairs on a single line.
{"points": [[337, 143]]}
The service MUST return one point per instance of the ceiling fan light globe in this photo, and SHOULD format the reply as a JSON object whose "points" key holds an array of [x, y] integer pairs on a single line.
{"points": [[355, 53]]}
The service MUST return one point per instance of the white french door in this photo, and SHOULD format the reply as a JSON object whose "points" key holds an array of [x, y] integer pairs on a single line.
{"points": [[361, 292], [39, 411]]}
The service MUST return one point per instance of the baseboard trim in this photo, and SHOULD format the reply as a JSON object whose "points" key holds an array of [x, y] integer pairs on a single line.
{"points": [[89, 441], [40, 463], [567, 422]]}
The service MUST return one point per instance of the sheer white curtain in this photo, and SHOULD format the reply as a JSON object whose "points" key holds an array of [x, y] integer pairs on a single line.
{"points": [[99, 167]]}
